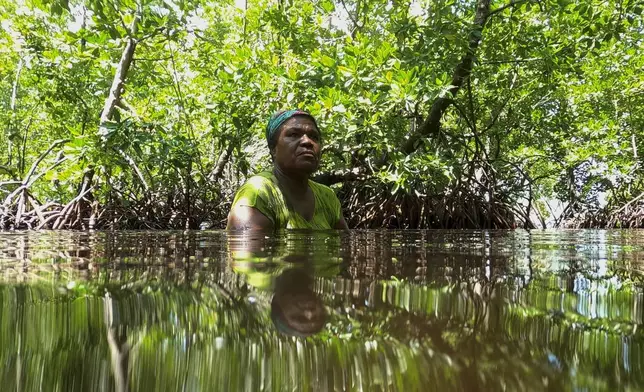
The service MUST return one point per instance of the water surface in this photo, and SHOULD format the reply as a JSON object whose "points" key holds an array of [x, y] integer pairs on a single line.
{"points": [[369, 310]]}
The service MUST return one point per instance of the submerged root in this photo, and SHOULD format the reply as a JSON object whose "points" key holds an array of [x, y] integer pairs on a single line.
{"points": [[375, 207], [20, 210], [27, 213], [620, 212], [367, 205], [629, 216]]}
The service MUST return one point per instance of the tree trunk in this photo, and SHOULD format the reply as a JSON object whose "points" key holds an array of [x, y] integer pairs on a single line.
{"points": [[463, 69], [224, 157], [12, 107], [114, 97], [121, 73]]}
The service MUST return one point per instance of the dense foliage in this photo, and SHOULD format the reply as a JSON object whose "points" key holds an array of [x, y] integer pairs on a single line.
{"points": [[442, 113]]}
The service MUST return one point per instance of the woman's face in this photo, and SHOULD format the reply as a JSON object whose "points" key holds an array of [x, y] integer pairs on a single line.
{"points": [[296, 309], [298, 146], [300, 310]]}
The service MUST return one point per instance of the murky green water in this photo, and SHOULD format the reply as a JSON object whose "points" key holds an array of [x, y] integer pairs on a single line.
{"points": [[371, 311]]}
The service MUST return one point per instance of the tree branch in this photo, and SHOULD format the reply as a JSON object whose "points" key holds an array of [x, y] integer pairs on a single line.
{"points": [[514, 61], [121, 73], [431, 126], [223, 159], [353, 20], [504, 7], [134, 166], [41, 157], [339, 176]]}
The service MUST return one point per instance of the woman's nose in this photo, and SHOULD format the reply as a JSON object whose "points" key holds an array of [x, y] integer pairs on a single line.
{"points": [[306, 140]]}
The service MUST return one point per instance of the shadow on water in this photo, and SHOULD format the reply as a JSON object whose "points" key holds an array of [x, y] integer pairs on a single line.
{"points": [[369, 310]]}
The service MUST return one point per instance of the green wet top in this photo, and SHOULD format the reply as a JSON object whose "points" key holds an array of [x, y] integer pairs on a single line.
{"points": [[262, 192]]}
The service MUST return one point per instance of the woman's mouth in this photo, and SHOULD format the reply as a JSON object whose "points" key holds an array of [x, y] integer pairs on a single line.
{"points": [[307, 153]]}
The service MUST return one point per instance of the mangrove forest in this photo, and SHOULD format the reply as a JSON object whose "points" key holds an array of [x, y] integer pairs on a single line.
{"points": [[149, 114]]}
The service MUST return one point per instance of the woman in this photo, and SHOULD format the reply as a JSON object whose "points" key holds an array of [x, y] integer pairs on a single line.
{"points": [[285, 198]]}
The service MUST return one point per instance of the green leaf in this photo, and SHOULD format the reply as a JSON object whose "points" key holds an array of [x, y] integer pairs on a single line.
{"points": [[327, 61], [328, 6]]}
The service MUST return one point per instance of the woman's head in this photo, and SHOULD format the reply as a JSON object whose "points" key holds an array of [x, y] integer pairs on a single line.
{"points": [[294, 141], [296, 309]]}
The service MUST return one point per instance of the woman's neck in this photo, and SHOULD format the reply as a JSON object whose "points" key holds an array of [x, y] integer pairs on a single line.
{"points": [[296, 185]]}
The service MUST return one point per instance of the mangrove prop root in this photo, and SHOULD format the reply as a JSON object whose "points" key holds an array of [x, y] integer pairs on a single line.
{"points": [[374, 206]]}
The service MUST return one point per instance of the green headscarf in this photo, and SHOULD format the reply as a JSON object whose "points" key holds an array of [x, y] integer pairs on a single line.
{"points": [[278, 118]]}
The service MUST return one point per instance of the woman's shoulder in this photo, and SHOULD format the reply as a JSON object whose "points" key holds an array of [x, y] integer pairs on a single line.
{"points": [[323, 191], [260, 180], [259, 185], [329, 204], [261, 177]]}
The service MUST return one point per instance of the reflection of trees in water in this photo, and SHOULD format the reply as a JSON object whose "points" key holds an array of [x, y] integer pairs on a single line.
{"points": [[468, 311], [478, 299]]}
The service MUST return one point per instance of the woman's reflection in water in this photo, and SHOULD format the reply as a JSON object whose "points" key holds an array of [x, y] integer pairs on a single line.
{"points": [[288, 271], [296, 309]]}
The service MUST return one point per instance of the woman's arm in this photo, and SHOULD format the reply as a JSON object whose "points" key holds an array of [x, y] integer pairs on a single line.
{"points": [[248, 218], [342, 224]]}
